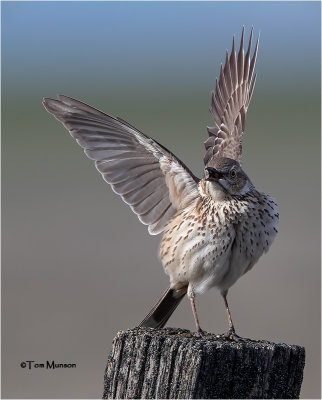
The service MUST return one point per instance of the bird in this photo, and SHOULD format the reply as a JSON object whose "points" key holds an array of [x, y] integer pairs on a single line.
{"points": [[215, 228]]}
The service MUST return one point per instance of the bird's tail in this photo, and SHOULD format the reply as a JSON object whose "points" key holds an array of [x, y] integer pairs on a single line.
{"points": [[164, 308]]}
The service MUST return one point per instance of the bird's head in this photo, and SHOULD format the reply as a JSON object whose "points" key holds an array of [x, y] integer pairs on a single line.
{"points": [[224, 176]]}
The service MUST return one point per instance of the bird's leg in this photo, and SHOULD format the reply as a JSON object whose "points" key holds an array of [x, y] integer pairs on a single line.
{"points": [[231, 334], [191, 296]]}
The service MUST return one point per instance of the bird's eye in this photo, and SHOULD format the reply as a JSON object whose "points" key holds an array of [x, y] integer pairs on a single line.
{"points": [[233, 173]]}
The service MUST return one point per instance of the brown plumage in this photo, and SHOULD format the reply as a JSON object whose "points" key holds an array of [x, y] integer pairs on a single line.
{"points": [[215, 229]]}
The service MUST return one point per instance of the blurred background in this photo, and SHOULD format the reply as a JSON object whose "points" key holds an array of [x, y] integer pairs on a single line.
{"points": [[77, 265]]}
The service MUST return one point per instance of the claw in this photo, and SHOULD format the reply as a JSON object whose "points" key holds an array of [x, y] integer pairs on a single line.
{"points": [[200, 333], [231, 335]]}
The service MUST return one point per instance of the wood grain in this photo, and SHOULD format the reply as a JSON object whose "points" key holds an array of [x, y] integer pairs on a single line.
{"points": [[174, 363]]}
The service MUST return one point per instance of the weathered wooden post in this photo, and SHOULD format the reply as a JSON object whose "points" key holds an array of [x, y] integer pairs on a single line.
{"points": [[172, 363]]}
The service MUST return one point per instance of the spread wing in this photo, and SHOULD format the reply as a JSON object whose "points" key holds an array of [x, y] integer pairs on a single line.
{"points": [[230, 102], [145, 174]]}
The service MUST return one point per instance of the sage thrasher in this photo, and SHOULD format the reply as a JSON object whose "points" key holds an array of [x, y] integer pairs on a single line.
{"points": [[215, 228]]}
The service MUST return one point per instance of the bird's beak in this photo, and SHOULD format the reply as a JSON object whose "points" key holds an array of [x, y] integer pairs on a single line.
{"points": [[212, 174]]}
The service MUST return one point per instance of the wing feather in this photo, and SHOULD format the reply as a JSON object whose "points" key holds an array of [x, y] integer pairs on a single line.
{"points": [[148, 177], [230, 102]]}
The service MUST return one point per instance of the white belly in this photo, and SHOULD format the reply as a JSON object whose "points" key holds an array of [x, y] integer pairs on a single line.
{"points": [[215, 250]]}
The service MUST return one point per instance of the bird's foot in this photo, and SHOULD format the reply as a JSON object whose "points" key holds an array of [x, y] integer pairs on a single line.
{"points": [[200, 333], [231, 335]]}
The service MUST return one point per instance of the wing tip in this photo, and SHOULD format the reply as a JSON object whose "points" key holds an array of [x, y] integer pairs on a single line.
{"points": [[47, 102], [54, 106]]}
